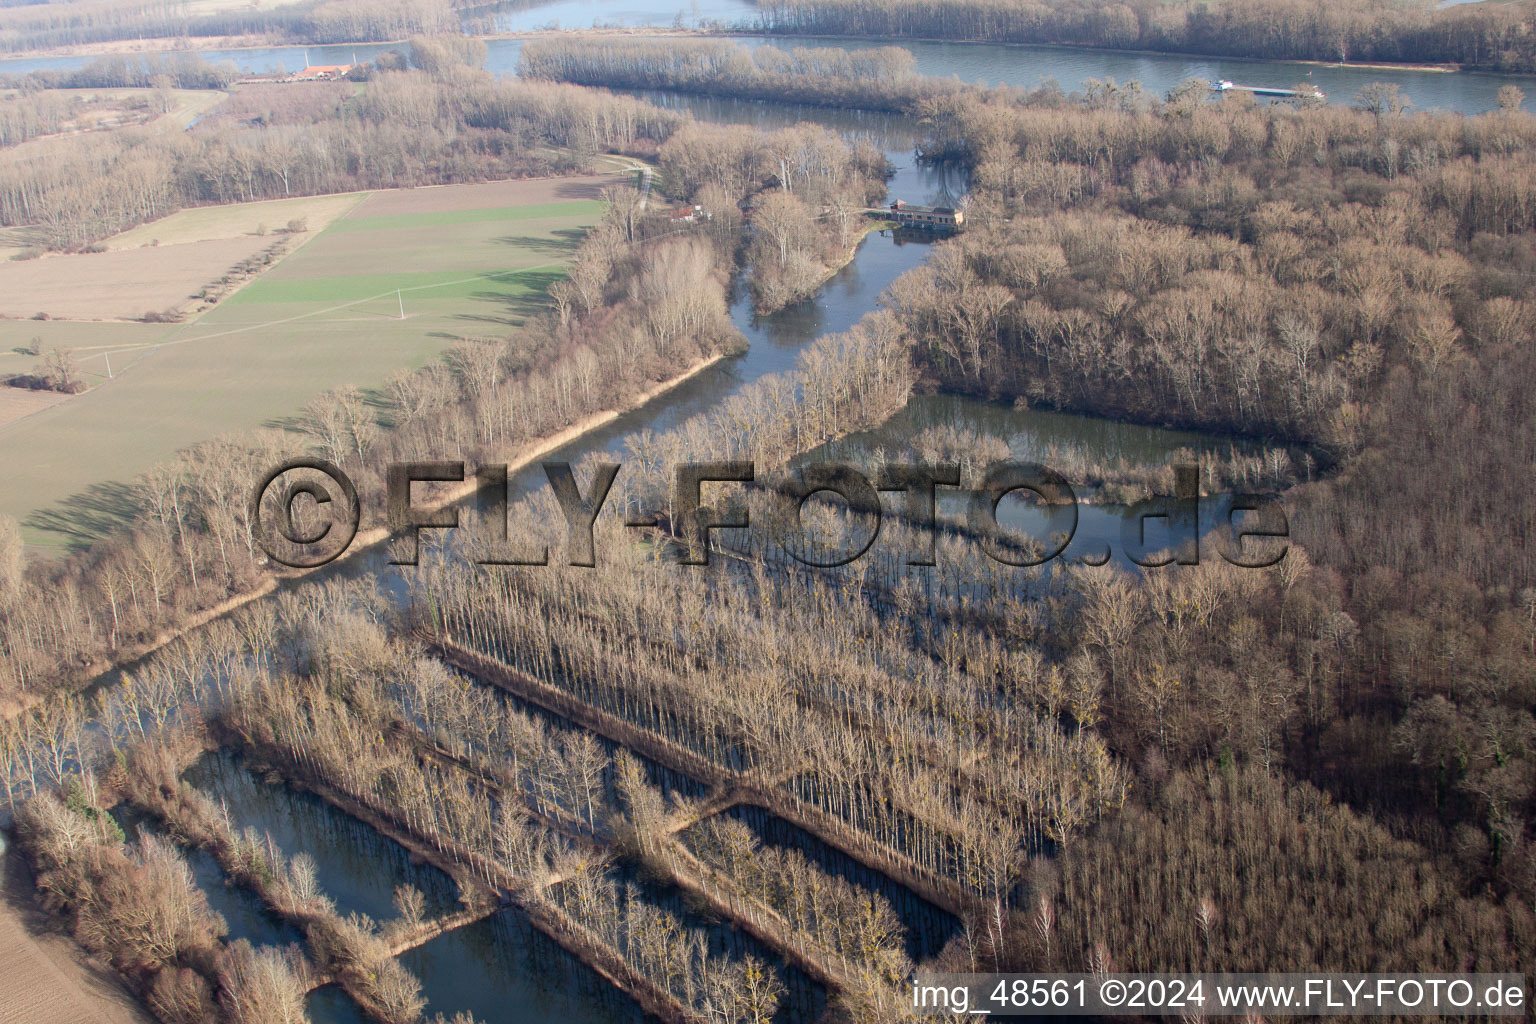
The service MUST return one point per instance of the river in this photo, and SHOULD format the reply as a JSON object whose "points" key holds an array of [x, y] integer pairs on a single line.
{"points": [[980, 63]]}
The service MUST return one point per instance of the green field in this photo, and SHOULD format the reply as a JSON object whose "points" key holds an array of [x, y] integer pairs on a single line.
{"points": [[513, 286], [411, 220], [326, 316]]}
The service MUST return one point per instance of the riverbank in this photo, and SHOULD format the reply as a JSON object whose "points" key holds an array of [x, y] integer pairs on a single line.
{"points": [[149, 47], [870, 226], [173, 45], [452, 496], [790, 37], [216, 44], [832, 267]]}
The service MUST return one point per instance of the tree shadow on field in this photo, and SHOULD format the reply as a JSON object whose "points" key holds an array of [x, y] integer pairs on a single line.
{"points": [[87, 517], [517, 306], [583, 189], [561, 242], [293, 424]]}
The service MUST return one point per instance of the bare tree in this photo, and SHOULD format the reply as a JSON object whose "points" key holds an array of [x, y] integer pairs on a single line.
{"points": [[410, 904]]}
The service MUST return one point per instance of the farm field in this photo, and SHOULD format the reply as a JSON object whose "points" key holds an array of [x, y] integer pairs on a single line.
{"points": [[461, 260], [119, 285], [86, 338], [206, 223], [18, 402], [106, 111]]}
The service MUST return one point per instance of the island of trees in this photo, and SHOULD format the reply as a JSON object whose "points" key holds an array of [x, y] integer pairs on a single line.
{"points": [[1485, 35]]}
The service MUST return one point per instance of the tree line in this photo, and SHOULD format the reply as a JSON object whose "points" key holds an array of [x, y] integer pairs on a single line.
{"points": [[24, 116], [479, 814], [43, 26], [643, 300], [269, 983], [860, 928], [1496, 36], [407, 128], [139, 755], [138, 905], [1350, 280], [136, 71], [1346, 280], [884, 78], [804, 187], [1209, 251], [895, 756]]}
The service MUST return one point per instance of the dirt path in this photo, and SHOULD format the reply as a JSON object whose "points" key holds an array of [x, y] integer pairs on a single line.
{"points": [[44, 977]]}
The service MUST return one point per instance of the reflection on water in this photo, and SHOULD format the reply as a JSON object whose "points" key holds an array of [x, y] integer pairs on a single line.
{"points": [[928, 927], [357, 867], [803, 999], [1469, 92], [775, 342], [501, 969], [247, 917], [898, 136], [330, 1005], [1031, 434], [505, 971], [1059, 441]]}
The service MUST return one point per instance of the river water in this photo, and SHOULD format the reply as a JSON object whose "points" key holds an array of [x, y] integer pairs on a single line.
{"points": [[500, 969], [503, 969], [979, 63], [356, 866], [242, 910]]}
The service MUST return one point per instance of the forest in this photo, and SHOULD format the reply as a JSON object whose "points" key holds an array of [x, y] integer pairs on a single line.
{"points": [[885, 78], [437, 121], [38, 26], [1184, 241], [409, 127], [1323, 764], [1484, 35], [803, 188]]}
